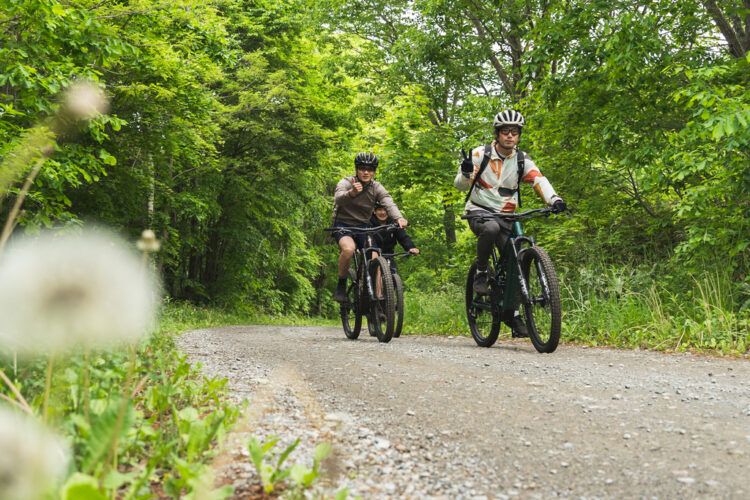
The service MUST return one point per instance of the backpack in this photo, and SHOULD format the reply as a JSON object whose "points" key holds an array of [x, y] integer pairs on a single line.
{"points": [[521, 160]]}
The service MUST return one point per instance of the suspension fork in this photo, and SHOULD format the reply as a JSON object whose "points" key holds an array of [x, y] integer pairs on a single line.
{"points": [[525, 293], [366, 263]]}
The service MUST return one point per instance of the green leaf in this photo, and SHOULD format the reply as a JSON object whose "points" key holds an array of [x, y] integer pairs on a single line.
{"points": [[729, 126], [297, 473], [256, 453], [188, 414], [115, 479], [285, 454], [103, 431], [322, 451], [342, 495], [81, 487]]}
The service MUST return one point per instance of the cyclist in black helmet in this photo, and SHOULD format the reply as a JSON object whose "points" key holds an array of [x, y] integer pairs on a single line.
{"points": [[496, 189], [354, 201]]}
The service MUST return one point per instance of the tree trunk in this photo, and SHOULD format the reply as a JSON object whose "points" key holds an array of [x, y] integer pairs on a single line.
{"points": [[449, 223]]}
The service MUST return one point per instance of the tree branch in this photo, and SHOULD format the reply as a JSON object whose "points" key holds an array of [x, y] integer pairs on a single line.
{"points": [[499, 69], [637, 195], [736, 48]]}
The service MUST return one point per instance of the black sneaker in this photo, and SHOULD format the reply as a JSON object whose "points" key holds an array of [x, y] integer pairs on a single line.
{"points": [[480, 283], [340, 294], [518, 329]]}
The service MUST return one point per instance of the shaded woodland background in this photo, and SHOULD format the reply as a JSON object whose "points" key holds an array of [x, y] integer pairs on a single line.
{"points": [[231, 121]]}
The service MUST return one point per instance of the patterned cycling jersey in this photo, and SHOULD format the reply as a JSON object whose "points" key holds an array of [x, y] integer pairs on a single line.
{"points": [[496, 188]]}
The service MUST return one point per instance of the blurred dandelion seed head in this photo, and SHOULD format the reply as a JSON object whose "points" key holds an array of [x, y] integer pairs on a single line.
{"points": [[32, 458], [62, 291], [85, 101], [148, 242]]}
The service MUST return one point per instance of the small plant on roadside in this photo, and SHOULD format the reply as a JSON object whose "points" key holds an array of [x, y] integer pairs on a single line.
{"points": [[296, 478]]}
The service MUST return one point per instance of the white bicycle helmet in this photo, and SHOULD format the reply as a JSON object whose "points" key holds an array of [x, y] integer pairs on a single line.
{"points": [[509, 117]]}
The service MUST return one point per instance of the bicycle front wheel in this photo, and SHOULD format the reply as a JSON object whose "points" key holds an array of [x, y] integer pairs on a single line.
{"points": [[351, 317], [543, 310], [482, 311], [382, 309], [398, 289]]}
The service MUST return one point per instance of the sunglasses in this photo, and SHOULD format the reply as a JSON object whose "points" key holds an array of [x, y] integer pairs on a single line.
{"points": [[366, 168], [510, 130]]}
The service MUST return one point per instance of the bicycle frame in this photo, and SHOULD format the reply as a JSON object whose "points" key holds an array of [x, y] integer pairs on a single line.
{"points": [[522, 277], [361, 267], [508, 275], [368, 249]]}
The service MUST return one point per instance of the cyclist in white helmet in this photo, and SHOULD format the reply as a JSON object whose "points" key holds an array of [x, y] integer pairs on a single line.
{"points": [[496, 189]]}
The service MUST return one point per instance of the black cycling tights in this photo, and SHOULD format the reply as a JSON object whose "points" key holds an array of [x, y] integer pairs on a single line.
{"points": [[489, 232]]}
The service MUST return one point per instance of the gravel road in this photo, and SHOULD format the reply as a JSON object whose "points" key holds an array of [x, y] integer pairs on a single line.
{"points": [[438, 417]]}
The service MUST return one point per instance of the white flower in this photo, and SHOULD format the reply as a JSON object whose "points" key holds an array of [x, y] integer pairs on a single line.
{"points": [[61, 291], [32, 459], [84, 100]]}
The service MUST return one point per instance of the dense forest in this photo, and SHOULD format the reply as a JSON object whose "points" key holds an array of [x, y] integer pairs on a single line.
{"points": [[230, 122]]}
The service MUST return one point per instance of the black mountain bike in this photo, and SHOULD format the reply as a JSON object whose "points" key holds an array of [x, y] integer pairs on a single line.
{"points": [[524, 268], [398, 288], [366, 275]]}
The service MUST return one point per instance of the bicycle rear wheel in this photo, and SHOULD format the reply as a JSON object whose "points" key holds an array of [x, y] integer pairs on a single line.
{"points": [[543, 310], [383, 310], [398, 289], [351, 318], [482, 311]]}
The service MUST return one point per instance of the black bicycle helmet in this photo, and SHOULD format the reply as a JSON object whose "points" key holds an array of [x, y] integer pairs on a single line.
{"points": [[366, 159], [378, 205]]}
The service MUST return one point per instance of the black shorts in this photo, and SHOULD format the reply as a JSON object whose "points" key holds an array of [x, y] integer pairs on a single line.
{"points": [[359, 238]]}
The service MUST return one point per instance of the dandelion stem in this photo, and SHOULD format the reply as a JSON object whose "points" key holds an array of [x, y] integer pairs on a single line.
{"points": [[112, 453], [13, 402], [21, 401], [47, 386], [86, 386], [11, 221]]}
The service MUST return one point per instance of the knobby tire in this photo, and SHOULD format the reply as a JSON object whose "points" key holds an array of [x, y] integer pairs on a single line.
{"points": [[398, 288], [386, 305], [351, 317], [482, 311], [543, 312]]}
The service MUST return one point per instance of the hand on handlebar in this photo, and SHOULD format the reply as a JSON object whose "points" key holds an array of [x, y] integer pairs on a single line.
{"points": [[414, 251], [559, 206]]}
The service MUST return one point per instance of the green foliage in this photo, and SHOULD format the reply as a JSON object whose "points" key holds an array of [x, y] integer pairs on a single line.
{"points": [[627, 307], [274, 475], [230, 122], [169, 427]]}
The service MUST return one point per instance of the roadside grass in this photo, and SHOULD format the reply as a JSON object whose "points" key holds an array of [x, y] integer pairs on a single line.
{"points": [[141, 421], [617, 307], [624, 308]]}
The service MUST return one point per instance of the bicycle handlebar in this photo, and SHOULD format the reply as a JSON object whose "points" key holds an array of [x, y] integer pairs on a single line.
{"points": [[537, 212], [398, 254], [352, 229]]}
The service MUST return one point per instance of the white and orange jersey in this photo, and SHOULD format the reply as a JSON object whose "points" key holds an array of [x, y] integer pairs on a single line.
{"points": [[496, 188]]}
